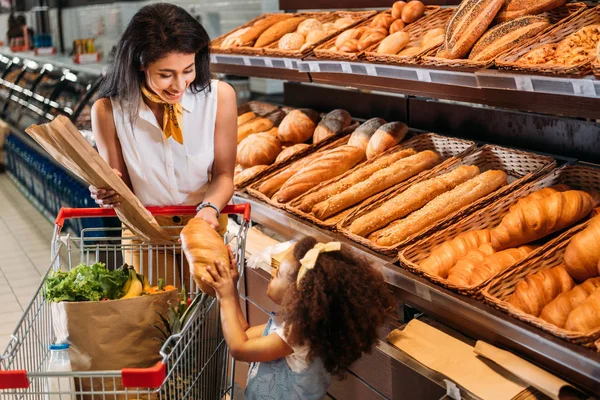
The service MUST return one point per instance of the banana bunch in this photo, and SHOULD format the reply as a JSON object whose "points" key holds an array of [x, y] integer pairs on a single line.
{"points": [[134, 286]]}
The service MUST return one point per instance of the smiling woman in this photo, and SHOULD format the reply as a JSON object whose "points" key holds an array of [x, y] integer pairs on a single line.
{"points": [[163, 124]]}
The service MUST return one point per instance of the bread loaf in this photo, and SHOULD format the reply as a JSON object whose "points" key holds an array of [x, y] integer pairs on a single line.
{"points": [[383, 20], [277, 30], [369, 38], [433, 37], [231, 40], [309, 25], [349, 46], [507, 35], [467, 24], [517, 8], [291, 41], [540, 218], [538, 195], [381, 180], [347, 35], [460, 274], [393, 44], [290, 151], [328, 165], [440, 207], [342, 23], [557, 311], [535, 291], [386, 137], [357, 176], [397, 8], [248, 173], [396, 26], [361, 136], [413, 11], [271, 185], [410, 51], [315, 37], [496, 263], [258, 149], [246, 117], [249, 36], [298, 126], [582, 256], [254, 126], [332, 124], [411, 199], [446, 255], [586, 316]]}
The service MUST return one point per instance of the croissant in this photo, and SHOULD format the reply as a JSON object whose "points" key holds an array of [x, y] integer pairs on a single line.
{"points": [[497, 262], [461, 273], [582, 256], [538, 195], [558, 310], [541, 217], [586, 316], [533, 293], [202, 245], [445, 256]]}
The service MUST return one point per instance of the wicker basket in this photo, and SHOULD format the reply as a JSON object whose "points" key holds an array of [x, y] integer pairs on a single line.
{"points": [[446, 147], [327, 50], [411, 256], [559, 32], [520, 166], [596, 68], [273, 50], [416, 32], [556, 16], [499, 290]]}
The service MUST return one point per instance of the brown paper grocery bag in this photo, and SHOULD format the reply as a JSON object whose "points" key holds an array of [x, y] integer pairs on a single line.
{"points": [[111, 335]]}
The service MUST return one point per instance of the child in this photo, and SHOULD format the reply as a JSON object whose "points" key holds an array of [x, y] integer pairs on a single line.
{"points": [[331, 307]]}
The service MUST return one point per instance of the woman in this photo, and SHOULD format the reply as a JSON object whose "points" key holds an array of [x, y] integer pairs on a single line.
{"points": [[165, 127]]}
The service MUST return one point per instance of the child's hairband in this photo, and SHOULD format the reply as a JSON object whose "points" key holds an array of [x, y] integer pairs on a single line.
{"points": [[310, 258]]}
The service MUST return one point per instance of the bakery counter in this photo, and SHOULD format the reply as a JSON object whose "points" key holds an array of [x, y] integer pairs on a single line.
{"points": [[477, 320]]}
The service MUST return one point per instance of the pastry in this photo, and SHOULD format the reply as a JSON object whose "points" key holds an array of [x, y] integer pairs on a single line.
{"points": [[557, 311], [582, 256]]}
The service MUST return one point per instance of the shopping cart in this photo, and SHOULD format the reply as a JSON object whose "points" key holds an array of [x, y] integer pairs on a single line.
{"points": [[196, 363]]}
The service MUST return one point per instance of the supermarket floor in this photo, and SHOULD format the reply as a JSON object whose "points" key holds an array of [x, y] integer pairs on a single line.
{"points": [[25, 237]]}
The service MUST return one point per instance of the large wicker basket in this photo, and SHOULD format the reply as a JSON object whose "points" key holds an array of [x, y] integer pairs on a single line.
{"points": [[500, 289], [559, 32], [556, 16], [448, 148], [411, 256], [520, 166]]}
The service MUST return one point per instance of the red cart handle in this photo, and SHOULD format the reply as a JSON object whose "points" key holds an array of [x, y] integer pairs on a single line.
{"points": [[66, 213]]}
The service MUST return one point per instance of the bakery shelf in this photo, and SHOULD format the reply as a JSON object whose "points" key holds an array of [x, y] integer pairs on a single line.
{"points": [[261, 67], [571, 362]]}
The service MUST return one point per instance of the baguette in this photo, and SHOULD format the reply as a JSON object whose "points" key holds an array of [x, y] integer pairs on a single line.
{"points": [[558, 310], [507, 35], [277, 30], [586, 317], [381, 180], [467, 24], [329, 165], [411, 199], [440, 207], [250, 36], [517, 8], [290, 151], [352, 179], [270, 186], [361, 136], [460, 274], [256, 125]]}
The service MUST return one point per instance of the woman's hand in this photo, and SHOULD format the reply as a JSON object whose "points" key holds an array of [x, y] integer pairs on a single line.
{"points": [[222, 281], [105, 198], [209, 215]]}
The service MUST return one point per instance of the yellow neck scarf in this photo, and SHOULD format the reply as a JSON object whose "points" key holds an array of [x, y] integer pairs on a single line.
{"points": [[173, 118]]}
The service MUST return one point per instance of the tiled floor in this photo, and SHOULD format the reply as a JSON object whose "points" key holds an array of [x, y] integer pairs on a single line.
{"points": [[25, 237]]}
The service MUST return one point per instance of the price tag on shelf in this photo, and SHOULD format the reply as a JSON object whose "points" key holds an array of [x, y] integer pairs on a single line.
{"points": [[584, 87], [452, 390], [523, 83], [423, 292], [346, 67], [288, 63], [423, 75], [371, 70], [268, 63]]}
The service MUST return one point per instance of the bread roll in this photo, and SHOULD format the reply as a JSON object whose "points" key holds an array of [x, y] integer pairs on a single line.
{"points": [[507, 35], [271, 185], [291, 41], [410, 51], [342, 23], [440, 207], [357, 176], [467, 24], [496, 263], [374, 30], [361, 136], [396, 26], [386, 137], [275, 32], [460, 274], [308, 26], [582, 256], [298, 126], [411, 199], [383, 20], [315, 37], [381, 180], [246, 117], [369, 38], [397, 8], [249, 36], [586, 316], [445, 256], [349, 46], [329, 27], [230, 41], [433, 37], [393, 44], [258, 149], [328, 165], [413, 11], [254, 126], [332, 124], [347, 35], [557, 311], [517, 8], [248, 173], [290, 151]]}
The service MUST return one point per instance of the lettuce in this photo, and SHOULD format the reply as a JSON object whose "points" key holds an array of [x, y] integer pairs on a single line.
{"points": [[86, 283]]}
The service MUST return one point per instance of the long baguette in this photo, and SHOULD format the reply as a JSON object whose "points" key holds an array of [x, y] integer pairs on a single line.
{"points": [[411, 199], [381, 180], [440, 207], [277, 30], [352, 179], [274, 183]]}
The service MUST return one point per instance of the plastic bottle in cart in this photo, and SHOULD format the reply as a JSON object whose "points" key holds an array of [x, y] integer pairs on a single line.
{"points": [[60, 388]]}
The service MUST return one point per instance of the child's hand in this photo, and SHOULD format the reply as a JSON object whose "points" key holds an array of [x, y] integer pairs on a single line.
{"points": [[222, 281], [235, 275]]}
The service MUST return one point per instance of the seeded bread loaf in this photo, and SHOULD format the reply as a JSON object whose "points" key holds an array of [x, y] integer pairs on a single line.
{"points": [[517, 8]]}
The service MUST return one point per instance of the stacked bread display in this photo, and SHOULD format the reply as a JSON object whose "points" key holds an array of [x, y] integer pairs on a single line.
{"points": [[312, 31]]}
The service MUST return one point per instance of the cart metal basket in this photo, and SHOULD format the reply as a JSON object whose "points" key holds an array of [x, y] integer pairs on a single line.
{"points": [[196, 363]]}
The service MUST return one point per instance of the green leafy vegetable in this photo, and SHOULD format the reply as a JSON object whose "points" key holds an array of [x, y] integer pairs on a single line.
{"points": [[86, 283]]}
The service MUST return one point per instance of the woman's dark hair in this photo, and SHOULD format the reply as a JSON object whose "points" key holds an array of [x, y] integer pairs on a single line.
{"points": [[154, 32], [337, 308]]}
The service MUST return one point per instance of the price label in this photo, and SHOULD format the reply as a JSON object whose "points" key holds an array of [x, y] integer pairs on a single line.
{"points": [[423, 292], [452, 390]]}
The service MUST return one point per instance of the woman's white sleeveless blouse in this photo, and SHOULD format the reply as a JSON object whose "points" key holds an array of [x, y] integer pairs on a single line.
{"points": [[162, 171]]}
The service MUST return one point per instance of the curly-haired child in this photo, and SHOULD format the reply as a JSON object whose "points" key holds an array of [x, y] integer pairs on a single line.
{"points": [[332, 304]]}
